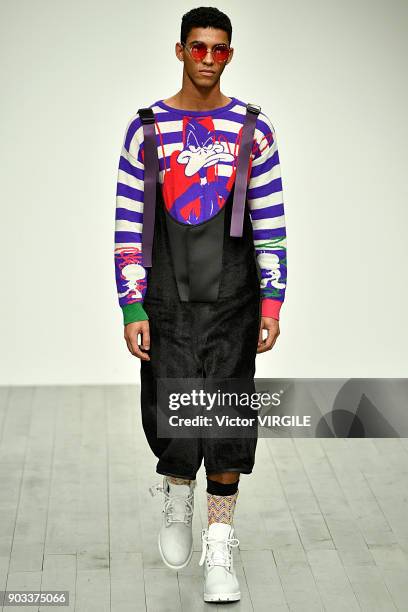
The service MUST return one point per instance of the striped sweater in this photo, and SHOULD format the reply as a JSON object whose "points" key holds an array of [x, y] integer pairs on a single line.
{"points": [[197, 153]]}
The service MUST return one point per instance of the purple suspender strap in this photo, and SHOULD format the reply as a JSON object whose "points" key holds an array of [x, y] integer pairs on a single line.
{"points": [[241, 177], [151, 175]]}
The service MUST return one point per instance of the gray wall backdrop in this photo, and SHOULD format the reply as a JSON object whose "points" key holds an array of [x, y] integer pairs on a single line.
{"points": [[332, 77]]}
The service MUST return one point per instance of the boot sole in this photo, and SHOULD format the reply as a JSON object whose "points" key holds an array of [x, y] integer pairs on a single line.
{"points": [[174, 567], [222, 596]]}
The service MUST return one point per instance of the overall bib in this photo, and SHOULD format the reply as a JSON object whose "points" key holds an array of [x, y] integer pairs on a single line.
{"points": [[203, 302]]}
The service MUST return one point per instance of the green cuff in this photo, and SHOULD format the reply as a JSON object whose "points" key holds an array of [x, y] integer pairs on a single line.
{"points": [[134, 312]]}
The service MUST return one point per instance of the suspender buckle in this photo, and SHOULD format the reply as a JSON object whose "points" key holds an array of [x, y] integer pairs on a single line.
{"points": [[253, 108], [146, 115]]}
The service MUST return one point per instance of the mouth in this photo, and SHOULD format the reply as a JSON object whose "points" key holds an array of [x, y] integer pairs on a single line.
{"points": [[207, 72]]}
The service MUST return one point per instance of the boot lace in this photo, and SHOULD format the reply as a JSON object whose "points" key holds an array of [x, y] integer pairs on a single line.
{"points": [[216, 551], [172, 504]]}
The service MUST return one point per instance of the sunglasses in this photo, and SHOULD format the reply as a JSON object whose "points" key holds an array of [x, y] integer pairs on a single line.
{"points": [[198, 51]]}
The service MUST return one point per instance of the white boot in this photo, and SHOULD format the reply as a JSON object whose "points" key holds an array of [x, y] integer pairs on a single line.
{"points": [[176, 534], [220, 580]]}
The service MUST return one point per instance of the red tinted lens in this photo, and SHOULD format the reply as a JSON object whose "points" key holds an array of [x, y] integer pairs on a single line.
{"points": [[198, 51], [220, 53]]}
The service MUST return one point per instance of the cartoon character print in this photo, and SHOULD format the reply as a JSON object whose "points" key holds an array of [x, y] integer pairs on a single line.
{"points": [[192, 190], [270, 263], [132, 274], [271, 257]]}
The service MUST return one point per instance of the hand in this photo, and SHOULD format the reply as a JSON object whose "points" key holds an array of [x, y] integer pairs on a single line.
{"points": [[132, 330], [272, 325]]}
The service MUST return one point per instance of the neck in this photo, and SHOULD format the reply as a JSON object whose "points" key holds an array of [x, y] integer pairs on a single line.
{"points": [[191, 97]]}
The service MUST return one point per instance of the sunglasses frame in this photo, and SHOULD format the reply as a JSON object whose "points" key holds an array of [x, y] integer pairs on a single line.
{"points": [[188, 47]]}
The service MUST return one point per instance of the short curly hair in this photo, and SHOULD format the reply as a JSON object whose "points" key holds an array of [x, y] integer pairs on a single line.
{"points": [[205, 17]]}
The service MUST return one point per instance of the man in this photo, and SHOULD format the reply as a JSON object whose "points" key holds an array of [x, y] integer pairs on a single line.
{"points": [[202, 294]]}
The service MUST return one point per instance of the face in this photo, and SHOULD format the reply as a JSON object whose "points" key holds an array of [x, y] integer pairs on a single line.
{"points": [[195, 69]]}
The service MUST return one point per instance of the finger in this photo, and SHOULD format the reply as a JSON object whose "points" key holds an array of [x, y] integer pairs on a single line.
{"points": [[135, 350], [268, 342], [146, 339], [138, 352], [142, 355], [260, 338], [261, 348]]}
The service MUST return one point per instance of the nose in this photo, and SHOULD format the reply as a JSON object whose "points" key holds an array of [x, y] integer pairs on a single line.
{"points": [[205, 59]]}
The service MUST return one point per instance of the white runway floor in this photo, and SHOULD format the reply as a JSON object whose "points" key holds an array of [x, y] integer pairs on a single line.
{"points": [[323, 524]]}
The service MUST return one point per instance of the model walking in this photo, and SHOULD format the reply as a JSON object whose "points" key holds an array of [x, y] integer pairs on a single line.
{"points": [[200, 259]]}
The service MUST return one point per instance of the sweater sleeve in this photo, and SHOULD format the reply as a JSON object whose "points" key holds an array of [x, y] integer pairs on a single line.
{"points": [[265, 199], [131, 276]]}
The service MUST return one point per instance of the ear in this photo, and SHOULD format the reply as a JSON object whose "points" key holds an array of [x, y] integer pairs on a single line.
{"points": [[179, 51], [231, 54]]}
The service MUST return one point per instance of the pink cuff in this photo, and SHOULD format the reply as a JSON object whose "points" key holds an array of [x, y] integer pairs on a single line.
{"points": [[270, 308]]}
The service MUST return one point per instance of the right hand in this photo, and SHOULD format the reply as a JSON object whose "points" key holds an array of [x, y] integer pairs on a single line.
{"points": [[132, 331]]}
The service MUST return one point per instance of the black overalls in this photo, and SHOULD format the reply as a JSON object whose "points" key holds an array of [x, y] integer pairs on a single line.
{"points": [[203, 303]]}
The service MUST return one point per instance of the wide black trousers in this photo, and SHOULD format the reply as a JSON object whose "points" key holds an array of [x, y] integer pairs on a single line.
{"points": [[190, 339]]}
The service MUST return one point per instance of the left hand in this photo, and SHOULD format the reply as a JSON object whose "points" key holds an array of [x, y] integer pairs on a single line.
{"points": [[272, 325]]}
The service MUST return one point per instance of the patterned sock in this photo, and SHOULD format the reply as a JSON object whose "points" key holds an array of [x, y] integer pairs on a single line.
{"points": [[221, 501], [179, 481]]}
